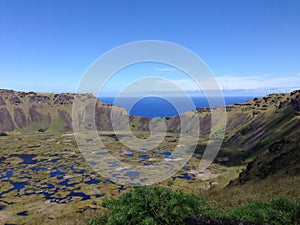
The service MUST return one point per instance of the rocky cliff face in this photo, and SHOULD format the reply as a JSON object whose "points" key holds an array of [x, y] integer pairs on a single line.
{"points": [[6, 122], [253, 124], [275, 140], [270, 117], [30, 111], [282, 158], [267, 128], [248, 125]]}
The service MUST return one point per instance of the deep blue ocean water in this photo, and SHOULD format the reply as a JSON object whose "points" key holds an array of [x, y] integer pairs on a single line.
{"points": [[157, 107]]}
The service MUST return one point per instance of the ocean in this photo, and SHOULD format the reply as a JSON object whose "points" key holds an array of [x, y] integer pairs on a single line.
{"points": [[153, 107]]}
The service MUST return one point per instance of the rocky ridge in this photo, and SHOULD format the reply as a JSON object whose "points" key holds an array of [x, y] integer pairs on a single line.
{"points": [[30, 111]]}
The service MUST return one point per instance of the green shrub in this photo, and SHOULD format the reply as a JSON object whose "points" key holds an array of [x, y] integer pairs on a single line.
{"points": [[170, 183], [160, 205], [41, 130], [297, 212], [246, 130], [102, 220], [3, 134], [279, 211], [153, 205]]}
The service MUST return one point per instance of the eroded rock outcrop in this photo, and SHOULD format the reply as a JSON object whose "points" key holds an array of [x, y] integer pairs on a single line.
{"points": [[15, 100], [19, 117], [2, 102], [67, 118], [247, 123], [283, 158], [39, 99], [6, 122], [63, 99], [36, 116]]}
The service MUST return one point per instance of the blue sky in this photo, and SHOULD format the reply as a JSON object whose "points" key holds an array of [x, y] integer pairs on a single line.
{"points": [[48, 45]]}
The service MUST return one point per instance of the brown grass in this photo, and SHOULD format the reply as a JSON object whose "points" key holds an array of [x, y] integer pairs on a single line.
{"points": [[274, 186]]}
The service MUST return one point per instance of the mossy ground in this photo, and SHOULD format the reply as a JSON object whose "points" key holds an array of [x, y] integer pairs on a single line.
{"points": [[58, 170]]}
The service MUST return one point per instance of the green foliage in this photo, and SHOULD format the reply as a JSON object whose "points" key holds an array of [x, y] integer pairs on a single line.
{"points": [[89, 126], [41, 130], [3, 134], [153, 205], [57, 125], [102, 220], [297, 212], [171, 131], [170, 183], [159, 205], [246, 129], [279, 211]]}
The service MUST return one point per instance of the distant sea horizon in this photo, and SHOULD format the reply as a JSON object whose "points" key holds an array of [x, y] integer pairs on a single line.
{"points": [[153, 107]]}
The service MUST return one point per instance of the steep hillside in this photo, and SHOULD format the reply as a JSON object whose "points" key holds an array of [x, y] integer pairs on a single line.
{"points": [[276, 143], [281, 159], [247, 123], [30, 111], [257, 121], [250, 125], [273, 117]]}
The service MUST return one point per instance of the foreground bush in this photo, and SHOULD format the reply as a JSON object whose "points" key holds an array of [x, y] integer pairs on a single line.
{"points": [[279, 211], [160, 205], [98, 220], [153, 205]]}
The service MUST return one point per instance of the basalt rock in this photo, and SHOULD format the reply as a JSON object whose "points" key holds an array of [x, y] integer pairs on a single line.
{"points": [[63, 99], [23, 94], [278, 145], [6, 122], [2, 102], [36, 116], [19, 117], [15, 100], [247, 123], [282, 158], [39, 99], [296, 103]]}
